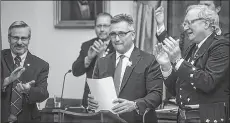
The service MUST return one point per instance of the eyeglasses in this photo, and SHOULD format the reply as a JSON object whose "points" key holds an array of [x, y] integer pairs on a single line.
{"points": [[187, 22], [101, 25], [16, 38], [121, 34]]}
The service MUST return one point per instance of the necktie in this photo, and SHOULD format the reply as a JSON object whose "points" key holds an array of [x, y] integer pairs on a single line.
{"points": [[193, 53], [117, 74], [16, 97]]}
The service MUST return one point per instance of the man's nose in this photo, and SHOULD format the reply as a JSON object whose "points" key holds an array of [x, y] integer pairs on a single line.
{"points": [[19, 41], [117, 38]]}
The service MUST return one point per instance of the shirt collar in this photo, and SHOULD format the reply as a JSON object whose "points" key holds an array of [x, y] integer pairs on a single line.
{"points": [[127, 54], [23, 56], [199, 44]]}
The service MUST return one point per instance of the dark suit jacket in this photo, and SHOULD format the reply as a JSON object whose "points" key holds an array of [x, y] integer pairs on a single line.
{"points": [[78, 67], [206, 81], [142, 82], [36, 70]]}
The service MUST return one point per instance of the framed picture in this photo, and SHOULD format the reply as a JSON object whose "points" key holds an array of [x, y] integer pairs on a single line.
{"points": [[77, 13]]}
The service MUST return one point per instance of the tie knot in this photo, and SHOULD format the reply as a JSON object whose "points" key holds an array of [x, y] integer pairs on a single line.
{"points": [[122, 56]]}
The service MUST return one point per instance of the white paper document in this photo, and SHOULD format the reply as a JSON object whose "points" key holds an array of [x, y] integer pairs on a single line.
{"points": [[103, 91]]}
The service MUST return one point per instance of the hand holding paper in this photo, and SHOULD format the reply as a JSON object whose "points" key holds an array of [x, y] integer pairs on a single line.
{"points": [[103, 91]]}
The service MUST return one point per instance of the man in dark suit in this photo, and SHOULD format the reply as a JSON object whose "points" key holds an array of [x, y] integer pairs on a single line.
{"points": [[92, 50], [23, 78], [200, 78], [137, 76]]}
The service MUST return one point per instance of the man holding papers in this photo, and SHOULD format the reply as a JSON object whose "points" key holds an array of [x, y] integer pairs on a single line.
{"points": [[136, 74]]}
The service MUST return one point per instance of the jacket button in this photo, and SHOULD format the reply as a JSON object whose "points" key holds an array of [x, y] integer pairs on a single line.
{"points": [[192, 62], [180, 96], [194, 87], [192, 83], [180, 89], [215, 121], [193, 68], [207, 121], [191, 75], [188, 99]]}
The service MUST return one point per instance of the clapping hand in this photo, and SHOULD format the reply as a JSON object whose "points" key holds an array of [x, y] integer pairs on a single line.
{"points": [[24, 88], [97, 48], [172, 48], [159, 16], [16, 74]]}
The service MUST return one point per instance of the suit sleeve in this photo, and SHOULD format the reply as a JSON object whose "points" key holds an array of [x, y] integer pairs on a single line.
{"points": [[39, 92], [78, 67], [216, 68], [154, 85]]}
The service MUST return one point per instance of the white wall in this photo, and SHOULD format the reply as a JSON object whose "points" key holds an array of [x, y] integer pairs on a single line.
{"points": [[59, 47]]}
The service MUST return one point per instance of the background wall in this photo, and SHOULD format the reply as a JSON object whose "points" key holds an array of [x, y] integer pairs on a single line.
{"points": [[59, 47]]}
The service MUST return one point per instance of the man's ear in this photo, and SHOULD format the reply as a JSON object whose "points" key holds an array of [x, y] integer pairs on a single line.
{"points": [[218, 9], [207, 24]]}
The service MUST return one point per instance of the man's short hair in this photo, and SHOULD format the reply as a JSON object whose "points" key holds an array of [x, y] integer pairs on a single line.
{"points": [[18, 24], [123, 17], [102, 14], [217, 3], [208, 15]]}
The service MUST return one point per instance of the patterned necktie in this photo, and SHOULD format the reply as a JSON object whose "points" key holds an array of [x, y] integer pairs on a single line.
{"points": [[16, 97], [193, 53], [117, 74]]}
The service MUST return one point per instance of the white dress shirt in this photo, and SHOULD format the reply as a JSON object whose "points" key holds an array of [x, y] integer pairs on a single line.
{"points": [[23, 58], [125, 61]]}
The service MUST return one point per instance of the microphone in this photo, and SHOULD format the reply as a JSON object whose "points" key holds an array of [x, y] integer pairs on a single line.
{"points": [[63, 85]]}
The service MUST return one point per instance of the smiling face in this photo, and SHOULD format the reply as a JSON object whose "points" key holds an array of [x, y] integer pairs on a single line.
{"points": [[19, 40], [194, 26], [102, 27], [123, 42]]}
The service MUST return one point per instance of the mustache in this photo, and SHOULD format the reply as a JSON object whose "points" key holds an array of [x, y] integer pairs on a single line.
{"points": [[18, 45]]}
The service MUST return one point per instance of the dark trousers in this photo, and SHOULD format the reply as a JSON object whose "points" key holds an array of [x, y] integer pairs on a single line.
{"points": [[188, 116]]}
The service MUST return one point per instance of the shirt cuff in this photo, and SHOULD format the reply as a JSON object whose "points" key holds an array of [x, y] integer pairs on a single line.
{"points": [[177, 66], [87, 62], [160, 30], [166, 73]]}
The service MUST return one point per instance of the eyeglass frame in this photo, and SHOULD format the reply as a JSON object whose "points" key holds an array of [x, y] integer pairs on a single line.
{"points": [[16, 38], [188, 23], [121, 35]]}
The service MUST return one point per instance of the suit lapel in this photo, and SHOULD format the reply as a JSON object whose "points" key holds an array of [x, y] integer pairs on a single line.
{"points": [[204, 46], [134, 58], [188, 51], [27, 65], [9, 60], [112, 64]]}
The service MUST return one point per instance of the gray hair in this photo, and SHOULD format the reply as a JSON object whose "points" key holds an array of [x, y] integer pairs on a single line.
{"points": [[123, 17], [18, 24], [208, 15]]}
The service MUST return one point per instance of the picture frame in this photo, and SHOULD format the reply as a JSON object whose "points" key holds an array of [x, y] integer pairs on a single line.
{"points": [[73, 14]]}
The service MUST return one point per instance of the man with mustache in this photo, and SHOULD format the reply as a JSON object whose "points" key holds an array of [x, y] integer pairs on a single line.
{"points": [[199, 78], [92, 50], [23, 78]]}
